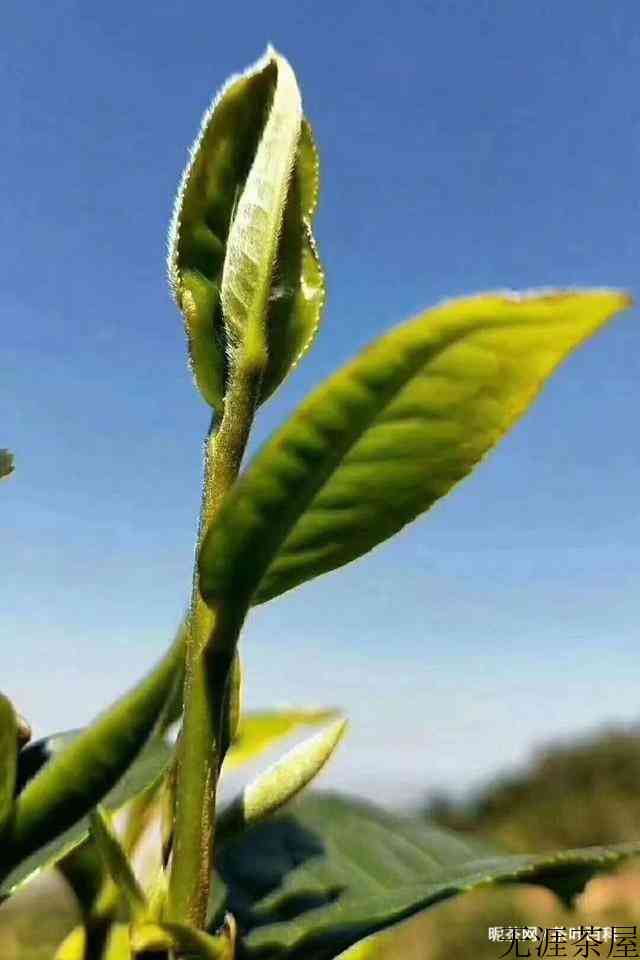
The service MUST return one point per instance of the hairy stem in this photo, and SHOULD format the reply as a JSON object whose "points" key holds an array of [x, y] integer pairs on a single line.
{"points": [[210, 650]]}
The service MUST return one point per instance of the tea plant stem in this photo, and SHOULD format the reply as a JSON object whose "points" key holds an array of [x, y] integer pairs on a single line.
{"points": [[210, 651]]}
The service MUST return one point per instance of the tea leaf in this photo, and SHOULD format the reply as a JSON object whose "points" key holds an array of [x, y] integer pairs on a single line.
{"points": [[8, 763], [146, 771], [330, 870], [282, 781], [7, 464], [296, 303], [220, 161], [260, 731], [233, 704], [80, 775], [116, 862], [255, 229], [387, 436], [216, 190]]}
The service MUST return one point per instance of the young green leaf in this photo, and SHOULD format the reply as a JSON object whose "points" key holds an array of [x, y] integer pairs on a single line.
{"points": [[211, 184], [255, 229], [281, 782], [298, 298], [8, 763], [235, 141], [7, 465], [260, 731], [389, 435], [78, 777], [257, 733], [117, 863]]}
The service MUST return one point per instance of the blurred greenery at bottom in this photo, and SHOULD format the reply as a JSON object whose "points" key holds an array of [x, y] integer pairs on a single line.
{"points": [[570, 795]]}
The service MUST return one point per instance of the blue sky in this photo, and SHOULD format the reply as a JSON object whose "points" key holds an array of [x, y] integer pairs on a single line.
{"points": [[465, 146]]}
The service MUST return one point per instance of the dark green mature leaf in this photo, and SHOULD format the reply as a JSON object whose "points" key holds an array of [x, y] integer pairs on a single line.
{"points": [[331, 870], [209, 197], [87, 768], [146, 771], [8, 762], [7, 465], [388, 435]]}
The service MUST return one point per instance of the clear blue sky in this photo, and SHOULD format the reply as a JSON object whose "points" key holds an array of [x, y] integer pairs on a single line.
{"points": [[465, 146]]}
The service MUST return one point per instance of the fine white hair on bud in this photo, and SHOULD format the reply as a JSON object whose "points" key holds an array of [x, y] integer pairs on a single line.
{"points": [[242, 263], [173, 236], [255, 231]]}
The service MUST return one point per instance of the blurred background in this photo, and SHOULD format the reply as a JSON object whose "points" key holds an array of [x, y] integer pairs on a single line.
{"points": [[465, 146]]}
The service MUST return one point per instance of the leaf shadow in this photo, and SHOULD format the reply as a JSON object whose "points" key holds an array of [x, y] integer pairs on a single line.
{"points": [[256, 865]]}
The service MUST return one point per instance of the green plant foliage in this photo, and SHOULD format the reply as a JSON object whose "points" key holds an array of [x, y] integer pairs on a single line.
{"points": [[252, 242], [116, 862], [316, 879], [227, 213], [298, 293], [260, 731], [389, 435], [8, 763], [281, 782], [7, 465], [51, 766], [146, 770], [369, 451], [84, 771], [78, 777]]}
